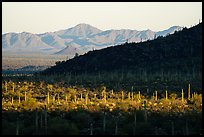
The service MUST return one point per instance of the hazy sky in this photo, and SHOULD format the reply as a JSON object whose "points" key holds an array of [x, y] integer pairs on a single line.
{"points": [[39, 17]]}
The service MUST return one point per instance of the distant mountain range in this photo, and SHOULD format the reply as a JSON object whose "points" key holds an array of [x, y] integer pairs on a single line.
{"points": [[176, 54], [79, 39]]}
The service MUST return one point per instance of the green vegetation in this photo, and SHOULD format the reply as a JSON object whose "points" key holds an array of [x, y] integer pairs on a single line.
{"points": [[44, 108]]}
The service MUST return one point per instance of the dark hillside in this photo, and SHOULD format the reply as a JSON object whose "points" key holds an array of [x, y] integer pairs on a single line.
{"points": [[180, 52]]}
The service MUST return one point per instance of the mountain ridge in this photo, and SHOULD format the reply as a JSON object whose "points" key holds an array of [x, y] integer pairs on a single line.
{"points": [[180, 52], [82, 34]]}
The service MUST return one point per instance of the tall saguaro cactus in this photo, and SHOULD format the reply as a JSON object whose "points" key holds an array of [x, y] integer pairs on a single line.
{"points": [[81, 97], [132, 97], [122, 95], [104, 97], [48, 97], [189, 91], [182, 96], [66, 98], [75, 98], [166, 95], [195, 94], [19, 98], [13, 87], [53, 99], [112, 92], [86, 98], [58, 99], [128, 95], [156, 95], [12, 100], [25, 96]]}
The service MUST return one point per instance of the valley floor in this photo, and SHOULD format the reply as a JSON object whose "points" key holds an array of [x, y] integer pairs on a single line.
{"points": [[12, 62]]}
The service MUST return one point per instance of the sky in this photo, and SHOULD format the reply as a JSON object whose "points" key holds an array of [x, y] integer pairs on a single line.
{"points": [[41, 17]]}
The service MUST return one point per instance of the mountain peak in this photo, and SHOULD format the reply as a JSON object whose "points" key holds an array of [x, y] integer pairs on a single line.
{"points": [[85, 26], [81, 30], [170, 30]]}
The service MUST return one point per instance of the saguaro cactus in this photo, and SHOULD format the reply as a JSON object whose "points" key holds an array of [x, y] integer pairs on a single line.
{"points": [[153, 95], [132, 97], [132, 88], [156, 95], [128, 95], [189, 91], [53, 99], [194, 94], [12, 100], [166, 95], [104, 97], [122, 95], [81, 97], [86, 98], [19, 98], [58, 100], [48, 98], [112, 92], [66, 98], [182, 96], [13, 87], [25, 96]]}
